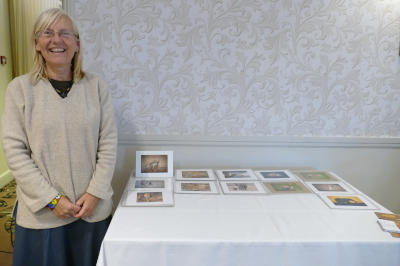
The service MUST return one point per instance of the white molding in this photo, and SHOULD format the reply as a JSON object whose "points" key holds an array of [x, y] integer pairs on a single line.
{"points": [[267, 141], [5, 178]]}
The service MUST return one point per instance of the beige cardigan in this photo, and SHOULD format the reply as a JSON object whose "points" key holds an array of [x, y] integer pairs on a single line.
{"points": [[59, 145]]}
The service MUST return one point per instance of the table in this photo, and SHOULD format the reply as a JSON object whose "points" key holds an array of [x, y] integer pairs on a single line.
{"points": [[247, 230]]}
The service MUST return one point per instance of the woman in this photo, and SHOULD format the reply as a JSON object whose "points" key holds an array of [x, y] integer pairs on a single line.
{"points": [[59, 140]]}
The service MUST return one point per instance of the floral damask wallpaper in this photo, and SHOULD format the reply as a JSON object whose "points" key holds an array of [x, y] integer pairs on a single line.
{"points": [[247, 68]]}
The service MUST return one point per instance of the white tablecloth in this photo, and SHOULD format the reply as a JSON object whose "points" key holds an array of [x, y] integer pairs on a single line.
{"points": [[247, 230]]}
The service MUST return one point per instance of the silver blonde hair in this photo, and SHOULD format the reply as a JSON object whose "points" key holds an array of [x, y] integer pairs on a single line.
{"points": [[45, 19]]}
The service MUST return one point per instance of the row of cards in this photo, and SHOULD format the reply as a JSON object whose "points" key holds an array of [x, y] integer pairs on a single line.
{"points": [[330, 188]]}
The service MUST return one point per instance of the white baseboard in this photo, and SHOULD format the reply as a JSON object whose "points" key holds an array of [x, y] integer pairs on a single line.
{"points": [[5, 178]]}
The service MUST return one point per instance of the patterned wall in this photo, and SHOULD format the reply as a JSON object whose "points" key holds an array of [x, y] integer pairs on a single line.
{"points": [[247, 68]]}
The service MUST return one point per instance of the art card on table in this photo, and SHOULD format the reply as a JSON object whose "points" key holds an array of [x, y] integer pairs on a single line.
{"points": [[310, 176], [275, 175], [196, 187], [242, 187], [150, 183], [154, 164], [389, 226], [330, 187], [195, 174], [286, 187], [148, 198], [388, 216], [351, 201], [394, 223], [236, 174]]}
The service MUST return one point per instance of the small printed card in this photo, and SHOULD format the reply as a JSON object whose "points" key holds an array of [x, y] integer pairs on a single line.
{"points": [[397, 235], [195, 174], [391, 217], [275, 175], [351, 201], [148, 198], [310, 176], [328, 187], [149, 183], [388, 216], [242, 187], [196, 187], [389, 226], [236, 174], [154, 163], [286, 187]]}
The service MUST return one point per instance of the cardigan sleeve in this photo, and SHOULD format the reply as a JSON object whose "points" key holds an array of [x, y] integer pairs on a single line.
{"points": [[35, 189], [100, 184]]}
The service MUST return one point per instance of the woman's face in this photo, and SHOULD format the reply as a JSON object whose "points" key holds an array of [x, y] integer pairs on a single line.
{"points": [[57, 45]]}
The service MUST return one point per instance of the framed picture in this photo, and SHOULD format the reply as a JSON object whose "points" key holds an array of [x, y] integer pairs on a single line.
{"points": [[329, 187], [149, 183], [310, 176], [286, 187], [196, 187], [148, 198], [236, 174], [275, 175], [242, 187], [351, 201], [195, 174], [154, 164]]}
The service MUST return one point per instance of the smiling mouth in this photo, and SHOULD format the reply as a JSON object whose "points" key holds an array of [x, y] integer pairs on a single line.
{"points": [[57, 50]]}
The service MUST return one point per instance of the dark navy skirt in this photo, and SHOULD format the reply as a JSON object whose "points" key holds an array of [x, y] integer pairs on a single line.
{"points": [[77, 243]]}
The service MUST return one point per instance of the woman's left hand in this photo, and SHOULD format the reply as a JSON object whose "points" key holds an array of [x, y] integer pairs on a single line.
{"points": [[88, 204]]}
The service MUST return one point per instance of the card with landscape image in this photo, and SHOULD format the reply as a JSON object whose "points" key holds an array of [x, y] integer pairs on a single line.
{"points": [[195, 174], [351, 201], [149, 183], [134, 198], [286, 187], [330, 187], [236, 174], [311, 176], [275, 175], [196, 187], [242, 187]]}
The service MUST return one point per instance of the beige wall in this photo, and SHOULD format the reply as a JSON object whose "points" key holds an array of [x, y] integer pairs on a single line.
{"points": [[5, 70]]}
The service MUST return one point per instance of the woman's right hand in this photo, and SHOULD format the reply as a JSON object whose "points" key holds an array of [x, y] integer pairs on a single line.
{"points": [[65, 208]]}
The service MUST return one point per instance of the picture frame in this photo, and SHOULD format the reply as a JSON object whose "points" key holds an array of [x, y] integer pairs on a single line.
{"points": [[242, 187], [154, 163], [275, 175], [236, 174], [348, 201], [195, 174], [134, 198], [196, 187], [330, 187], [286, 187], [143, 184], [316, 176]]}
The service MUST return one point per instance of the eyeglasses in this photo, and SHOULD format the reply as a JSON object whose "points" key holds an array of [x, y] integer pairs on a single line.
{"points": [[64, 34]]}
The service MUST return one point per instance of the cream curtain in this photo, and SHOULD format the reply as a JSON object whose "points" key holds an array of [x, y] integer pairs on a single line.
{"points": [[23, 14]]}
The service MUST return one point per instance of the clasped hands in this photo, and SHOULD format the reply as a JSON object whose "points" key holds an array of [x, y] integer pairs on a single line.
{"points": [[84, 207]]}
